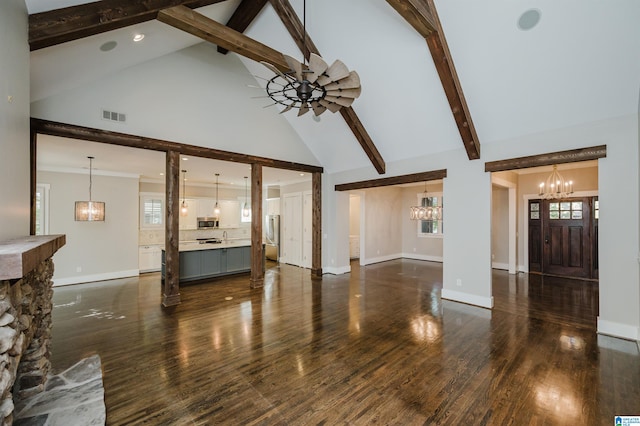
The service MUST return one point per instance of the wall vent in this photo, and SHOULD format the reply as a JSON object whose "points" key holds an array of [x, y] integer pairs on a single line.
{"points": [[114, 116]]}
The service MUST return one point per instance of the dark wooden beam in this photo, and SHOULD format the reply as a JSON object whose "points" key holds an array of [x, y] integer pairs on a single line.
{"points": [[295, 27], [559, 157], [194, 23], [316, 226], [243, 16], [423, 17], [394, 180], [417, 14], [75, 22], [257, 252], [171, 285], [114, 138]]}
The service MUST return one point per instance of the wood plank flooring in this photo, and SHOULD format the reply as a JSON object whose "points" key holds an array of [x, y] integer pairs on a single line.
{"points": [[377, 346]]}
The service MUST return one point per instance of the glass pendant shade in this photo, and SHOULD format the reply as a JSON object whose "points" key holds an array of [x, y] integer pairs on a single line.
{"points": [[216, 208], [90, 211], [245, 206], [184, 207]]}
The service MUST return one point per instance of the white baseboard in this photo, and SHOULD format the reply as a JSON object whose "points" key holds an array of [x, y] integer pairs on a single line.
{"points": [[57, 282], [426, 257], [498, 265], [336, 270], [616, 329], [470, 299], [381, 259]]}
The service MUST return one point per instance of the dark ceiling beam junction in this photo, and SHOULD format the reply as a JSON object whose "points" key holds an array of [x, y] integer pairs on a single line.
{"points": [[393, 180], [75, 22], [549, 159], [295, 27], [423, 17], [201, 26], [72, 131], [243, 16]]}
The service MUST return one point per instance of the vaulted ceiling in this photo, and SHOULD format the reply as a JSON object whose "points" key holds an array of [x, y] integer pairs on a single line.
{"points": [[436, 75]]}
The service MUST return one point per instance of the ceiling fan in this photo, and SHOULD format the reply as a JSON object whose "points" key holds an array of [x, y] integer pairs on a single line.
{"points": [[315, 85]]}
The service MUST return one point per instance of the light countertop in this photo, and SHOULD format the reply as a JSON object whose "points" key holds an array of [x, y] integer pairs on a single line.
{"points": [[195, 245]]}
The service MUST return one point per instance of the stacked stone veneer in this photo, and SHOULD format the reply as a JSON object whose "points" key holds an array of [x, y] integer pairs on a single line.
{"points": [[25, 334], [26, 291]]}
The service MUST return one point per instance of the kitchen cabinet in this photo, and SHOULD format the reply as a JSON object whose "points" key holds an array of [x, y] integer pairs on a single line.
{"points": [[199, 264], [149, 258], [273, 206], [229, 214], [190, 221], [205, 207]]}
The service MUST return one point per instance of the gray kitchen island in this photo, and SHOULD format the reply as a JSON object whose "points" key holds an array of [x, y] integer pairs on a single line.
{"points": [[199, 261]]}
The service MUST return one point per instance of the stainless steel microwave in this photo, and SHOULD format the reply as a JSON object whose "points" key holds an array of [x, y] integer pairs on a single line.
{"points": [[208, 223]]}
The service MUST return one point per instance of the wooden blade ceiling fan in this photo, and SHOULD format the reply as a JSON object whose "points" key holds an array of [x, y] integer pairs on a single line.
{"points": [[315, 85]]}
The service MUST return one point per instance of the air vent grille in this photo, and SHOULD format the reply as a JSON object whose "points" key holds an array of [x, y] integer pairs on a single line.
{"points": [[114, 116]]}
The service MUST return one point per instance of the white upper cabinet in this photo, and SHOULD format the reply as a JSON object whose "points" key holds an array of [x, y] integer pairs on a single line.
{"points": [[229, 214], [273, 206], [205, 207]]}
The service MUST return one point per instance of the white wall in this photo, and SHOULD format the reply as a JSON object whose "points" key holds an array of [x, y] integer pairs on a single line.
{"points": [[102, 250], [467, 240], [382, 225], [194, 96], [354, 214], [500, 227], [14, 120]]}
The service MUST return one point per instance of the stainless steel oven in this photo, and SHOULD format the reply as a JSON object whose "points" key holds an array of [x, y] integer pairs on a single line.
{"points": [[208, 223]]}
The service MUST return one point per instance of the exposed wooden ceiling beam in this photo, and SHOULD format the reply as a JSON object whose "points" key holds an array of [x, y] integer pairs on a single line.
{"points": [[244, 14], [195, 23], [423, 17], [549, 159], [75, 22], [295, 27], [393, 180]]}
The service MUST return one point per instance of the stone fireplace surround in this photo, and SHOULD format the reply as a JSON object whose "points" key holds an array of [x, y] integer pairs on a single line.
{"points": [[26, 269]]}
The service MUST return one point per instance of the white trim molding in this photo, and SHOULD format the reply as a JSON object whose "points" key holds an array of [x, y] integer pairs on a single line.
{"points": [[381, 259], [469, 299], [334, 270], [616, 329], [58, 282], [498, 265], [427, 257]]}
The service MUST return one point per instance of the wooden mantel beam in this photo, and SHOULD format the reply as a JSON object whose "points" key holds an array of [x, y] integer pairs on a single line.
{"points": [[75, 22], [295, 27], [243, 16], [201, 26], [423, 17]]}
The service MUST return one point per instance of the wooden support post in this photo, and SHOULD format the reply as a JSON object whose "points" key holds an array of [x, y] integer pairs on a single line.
{"points": [[171, 287], [316, 232], [257, 253]]}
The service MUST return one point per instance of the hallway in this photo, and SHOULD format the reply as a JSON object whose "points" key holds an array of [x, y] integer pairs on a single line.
{"points": [[374, 346]]}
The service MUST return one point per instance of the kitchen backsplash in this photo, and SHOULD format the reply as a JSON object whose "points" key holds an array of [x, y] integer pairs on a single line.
{"points": [[157, 237]]}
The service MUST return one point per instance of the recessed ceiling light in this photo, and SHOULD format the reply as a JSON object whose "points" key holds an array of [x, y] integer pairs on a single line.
{"points": [[138, 37], [110, 45], [529, 19]]}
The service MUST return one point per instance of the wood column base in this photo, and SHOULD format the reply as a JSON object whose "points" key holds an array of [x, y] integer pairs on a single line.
{"points": [[256, 283], [316, 274], [170, 300]]}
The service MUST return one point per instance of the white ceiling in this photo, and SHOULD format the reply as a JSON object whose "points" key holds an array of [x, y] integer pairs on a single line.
{"points": [[580, 64]]}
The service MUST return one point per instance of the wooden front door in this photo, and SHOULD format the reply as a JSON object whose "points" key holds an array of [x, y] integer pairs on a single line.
{"points": [[560, 237]]}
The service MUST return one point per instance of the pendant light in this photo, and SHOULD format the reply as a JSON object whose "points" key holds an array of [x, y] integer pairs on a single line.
{"points": [[90, 211], [245, 208], [216, 209], [184, 208], [431, 213]]}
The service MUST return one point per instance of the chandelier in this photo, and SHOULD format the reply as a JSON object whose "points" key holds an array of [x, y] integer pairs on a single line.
{"points": [[90, 211], [425, 212], [315, 85], [555, 187]]}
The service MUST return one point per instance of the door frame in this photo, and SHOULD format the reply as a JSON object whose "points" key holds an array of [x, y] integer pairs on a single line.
{"points": [[525, 220]]}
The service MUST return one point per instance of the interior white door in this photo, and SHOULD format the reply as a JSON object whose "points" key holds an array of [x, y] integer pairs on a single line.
{"points": [[291, 229], [307, 234]]}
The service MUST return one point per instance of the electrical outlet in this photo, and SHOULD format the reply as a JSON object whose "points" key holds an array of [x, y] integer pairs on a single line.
{"points": [[79, 269], [459, 282], [378, 251], [414, 249], [493, 256]]}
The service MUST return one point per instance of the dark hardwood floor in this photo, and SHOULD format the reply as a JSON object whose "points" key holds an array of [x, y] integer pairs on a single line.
{"points": [[377, 346]]}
